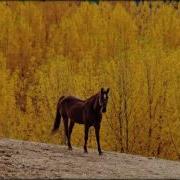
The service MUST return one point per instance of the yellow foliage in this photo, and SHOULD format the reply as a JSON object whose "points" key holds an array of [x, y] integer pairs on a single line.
{"points": [[50, 49]]}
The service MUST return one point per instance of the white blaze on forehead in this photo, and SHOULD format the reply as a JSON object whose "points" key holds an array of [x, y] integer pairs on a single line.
{"points": [[105, 96]]}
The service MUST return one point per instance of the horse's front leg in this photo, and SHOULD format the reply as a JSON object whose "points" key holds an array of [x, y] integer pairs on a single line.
{"points": [[86, 129], [97, 130]]}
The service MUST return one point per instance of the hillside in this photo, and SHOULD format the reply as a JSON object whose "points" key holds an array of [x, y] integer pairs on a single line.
{"points": [[23, 159]]}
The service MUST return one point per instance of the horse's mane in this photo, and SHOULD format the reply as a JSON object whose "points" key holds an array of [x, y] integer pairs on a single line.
{"points": [[92, 97]]}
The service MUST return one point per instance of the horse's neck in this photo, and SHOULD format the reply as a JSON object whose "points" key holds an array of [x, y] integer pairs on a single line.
{"points": [[91, 102]]}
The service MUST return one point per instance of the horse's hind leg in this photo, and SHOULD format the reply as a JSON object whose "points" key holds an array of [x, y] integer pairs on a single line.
{"points": [[68, 131], [65, 119], [86, 130], [71, 125]]}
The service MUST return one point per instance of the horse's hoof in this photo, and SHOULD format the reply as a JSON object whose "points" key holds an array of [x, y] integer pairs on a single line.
{"points": [[100, 153], [85, 152], [70, 148]]}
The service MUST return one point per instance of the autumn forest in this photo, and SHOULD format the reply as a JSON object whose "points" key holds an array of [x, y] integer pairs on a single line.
{"points": [[49, 49]]}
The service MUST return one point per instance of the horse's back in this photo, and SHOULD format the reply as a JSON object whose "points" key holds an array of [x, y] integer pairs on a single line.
{"points": [[72, 99], [69, 102], [72, 107]]}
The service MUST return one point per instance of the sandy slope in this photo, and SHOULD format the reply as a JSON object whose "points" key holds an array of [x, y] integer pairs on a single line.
{"points": [[22, 159]]}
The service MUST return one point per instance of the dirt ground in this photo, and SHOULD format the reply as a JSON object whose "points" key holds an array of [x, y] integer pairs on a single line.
{"points": [[23, 159]]}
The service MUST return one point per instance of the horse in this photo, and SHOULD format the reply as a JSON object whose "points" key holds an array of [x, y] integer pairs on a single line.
{"points": [[87, 112]]}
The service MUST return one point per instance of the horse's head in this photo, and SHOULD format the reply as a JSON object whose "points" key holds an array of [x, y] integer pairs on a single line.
{"points": [[103, 99]]}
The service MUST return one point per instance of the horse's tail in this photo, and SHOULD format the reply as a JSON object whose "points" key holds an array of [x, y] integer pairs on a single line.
{"points": [[58, 116]]}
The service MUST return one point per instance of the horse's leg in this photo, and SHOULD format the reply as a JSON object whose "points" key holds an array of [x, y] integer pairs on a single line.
{"points": [[66, 127], [97, 129], [71, 125], [86, 129]]}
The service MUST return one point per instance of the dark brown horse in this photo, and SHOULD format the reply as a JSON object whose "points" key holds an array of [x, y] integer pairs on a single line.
{"points": [[87, 112]]}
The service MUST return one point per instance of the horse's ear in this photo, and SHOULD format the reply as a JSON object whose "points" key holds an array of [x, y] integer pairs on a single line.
{"points": [[107, 90]]}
